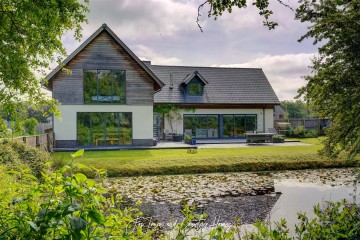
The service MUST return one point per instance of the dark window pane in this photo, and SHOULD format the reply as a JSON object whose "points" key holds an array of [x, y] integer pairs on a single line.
{"points": [[239, 126], [98, 129], [201, 126], [90, 86], [112, 128], [195, 89], [125, 128], [104, 86], [119, 86], [83, 129], [228, 126], [251, 122], [213, 126]]}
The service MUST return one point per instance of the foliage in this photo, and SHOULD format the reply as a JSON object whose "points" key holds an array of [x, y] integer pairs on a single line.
{"points": [[30, 125], [187, 137], [30, 33], [68, 206], [336, 220], [218, 7], [4, 131], [296, 109], [334, 85], [17, 154], [18, 127]]}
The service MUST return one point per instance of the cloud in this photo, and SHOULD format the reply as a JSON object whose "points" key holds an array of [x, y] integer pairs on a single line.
{"points": [[146, 53], [134, 19], [283, 71]]}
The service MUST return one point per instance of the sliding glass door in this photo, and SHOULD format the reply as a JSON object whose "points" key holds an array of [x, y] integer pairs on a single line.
{"points": [[104, 129], [202, 126], [235, 126]]}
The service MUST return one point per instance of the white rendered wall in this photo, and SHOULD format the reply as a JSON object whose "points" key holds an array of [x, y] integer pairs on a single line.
{"points": [[269, 117], [142, 119]]}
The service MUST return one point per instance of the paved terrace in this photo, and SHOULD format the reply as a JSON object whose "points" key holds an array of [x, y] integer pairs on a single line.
{"points": [[237, 143]]}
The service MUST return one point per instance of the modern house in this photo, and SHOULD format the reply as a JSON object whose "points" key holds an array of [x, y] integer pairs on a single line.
{"points": [[108, 97]]}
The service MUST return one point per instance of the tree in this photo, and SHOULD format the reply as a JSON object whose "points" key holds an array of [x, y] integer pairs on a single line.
{"points": [[296, 109], [333, 89], [30, 33], [30, 125], [218, 7], [334, 86]]}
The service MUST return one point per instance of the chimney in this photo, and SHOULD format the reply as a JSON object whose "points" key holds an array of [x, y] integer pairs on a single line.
{"points": [[171, 81]]}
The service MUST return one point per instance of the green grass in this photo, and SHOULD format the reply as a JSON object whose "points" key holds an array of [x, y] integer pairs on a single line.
{"points": [[178, 161]]}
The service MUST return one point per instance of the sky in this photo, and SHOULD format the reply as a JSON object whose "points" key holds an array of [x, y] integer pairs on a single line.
{"points": [[166, 33]]}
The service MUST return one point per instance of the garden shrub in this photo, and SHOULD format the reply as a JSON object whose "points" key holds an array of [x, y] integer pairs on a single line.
{"points": [[335, 220], [30, 125], [300, 131], [311, 134], [17, 154], [18, 127]]}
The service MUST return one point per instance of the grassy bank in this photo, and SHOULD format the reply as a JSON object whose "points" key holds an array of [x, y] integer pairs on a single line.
{"points": [[172, 161]]}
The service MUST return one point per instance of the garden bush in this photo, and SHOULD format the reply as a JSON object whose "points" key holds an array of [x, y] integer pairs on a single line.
{"points": [[15, 154]]}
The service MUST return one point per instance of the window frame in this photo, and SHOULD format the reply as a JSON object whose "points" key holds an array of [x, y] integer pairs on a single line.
{"points": [[97, 87]]}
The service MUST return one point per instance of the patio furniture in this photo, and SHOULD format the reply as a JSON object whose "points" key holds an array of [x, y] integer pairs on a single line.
{"points": [[168, 135], [274, 131], [259, 137]]}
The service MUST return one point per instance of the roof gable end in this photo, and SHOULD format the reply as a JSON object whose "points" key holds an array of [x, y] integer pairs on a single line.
{"points": [[158, 83], [189, 77]]}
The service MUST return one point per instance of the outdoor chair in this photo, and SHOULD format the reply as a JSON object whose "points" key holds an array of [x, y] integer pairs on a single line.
{"points": [[274, 131], [168, 135]]}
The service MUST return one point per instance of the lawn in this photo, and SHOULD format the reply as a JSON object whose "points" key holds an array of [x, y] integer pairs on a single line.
{"points": [[178, 161]]}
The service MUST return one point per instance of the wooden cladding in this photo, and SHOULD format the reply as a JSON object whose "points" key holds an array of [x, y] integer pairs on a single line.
{"points": [[106, 54]]}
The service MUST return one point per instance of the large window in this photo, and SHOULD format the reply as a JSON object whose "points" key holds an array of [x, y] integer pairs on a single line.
{"points": [[103, 129], [235, 126], [202, 126], [104, 86], [223, 126]]}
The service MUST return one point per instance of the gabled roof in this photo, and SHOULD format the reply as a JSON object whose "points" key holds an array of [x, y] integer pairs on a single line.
{"points": [[104, 27], [189, 77], [225, 86]]}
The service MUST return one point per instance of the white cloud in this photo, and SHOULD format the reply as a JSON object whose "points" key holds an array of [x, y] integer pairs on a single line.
{"points": [[134, 19], [283, 71], [146, 53]]}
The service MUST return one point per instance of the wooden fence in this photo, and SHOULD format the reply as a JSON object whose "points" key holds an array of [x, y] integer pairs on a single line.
{"points": [[41, 127], [43, 141], [317, 124]]}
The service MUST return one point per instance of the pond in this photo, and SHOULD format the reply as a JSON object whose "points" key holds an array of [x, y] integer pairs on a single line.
{"points": [[238, 197]]}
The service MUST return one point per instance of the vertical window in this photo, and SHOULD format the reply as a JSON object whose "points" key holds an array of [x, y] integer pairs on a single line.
{"points": [[104, 86]]}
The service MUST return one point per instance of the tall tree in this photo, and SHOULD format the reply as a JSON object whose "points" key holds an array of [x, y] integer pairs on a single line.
{"points": [[334, 87], [296, 109], [30, 38]]}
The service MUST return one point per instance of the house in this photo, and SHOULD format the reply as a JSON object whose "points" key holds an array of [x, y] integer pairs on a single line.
{"points": [[109, 96]]}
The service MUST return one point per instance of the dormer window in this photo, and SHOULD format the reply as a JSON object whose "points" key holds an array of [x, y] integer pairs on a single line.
{"points": [[194, 84], [195, 89]]}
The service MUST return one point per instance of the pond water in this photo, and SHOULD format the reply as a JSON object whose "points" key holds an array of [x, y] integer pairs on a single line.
{"points": [[230, 197]]}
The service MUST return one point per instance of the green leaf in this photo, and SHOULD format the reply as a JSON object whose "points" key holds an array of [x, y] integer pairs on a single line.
{"points": [[13, 172], [80, 177], [30, 176], [72, 208], [79, 153], [33, 226], [77, 224], [82, 166], [96, 217]]}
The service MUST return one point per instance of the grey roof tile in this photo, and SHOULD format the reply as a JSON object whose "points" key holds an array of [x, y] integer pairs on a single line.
{"points": [[225, 85]]}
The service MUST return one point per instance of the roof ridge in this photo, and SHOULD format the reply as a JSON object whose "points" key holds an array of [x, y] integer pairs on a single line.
{"points": [[156, 65]]}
